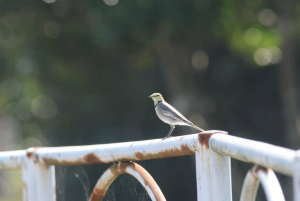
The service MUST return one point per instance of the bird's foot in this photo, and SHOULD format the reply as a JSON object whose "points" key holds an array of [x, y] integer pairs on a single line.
{"points": [[165, 137]]}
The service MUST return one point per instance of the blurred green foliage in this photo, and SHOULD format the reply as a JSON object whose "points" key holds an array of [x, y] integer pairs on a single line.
{"points": [[79, 72]]}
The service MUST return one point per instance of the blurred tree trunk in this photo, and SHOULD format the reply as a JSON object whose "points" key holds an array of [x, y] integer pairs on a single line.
{"points": [[178, 75], [287, 75], [182, 83]]}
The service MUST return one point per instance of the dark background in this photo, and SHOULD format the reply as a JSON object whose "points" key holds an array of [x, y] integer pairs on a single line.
{"points": [[80, 72]]}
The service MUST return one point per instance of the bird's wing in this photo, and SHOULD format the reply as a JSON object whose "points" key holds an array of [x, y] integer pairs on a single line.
{"points": [[170, 111]]}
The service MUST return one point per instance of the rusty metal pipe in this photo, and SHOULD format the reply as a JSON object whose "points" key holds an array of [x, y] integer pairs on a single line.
{"points": [[269, 183], [108, 153], [133, 169], [277, 158], [127, 151]]}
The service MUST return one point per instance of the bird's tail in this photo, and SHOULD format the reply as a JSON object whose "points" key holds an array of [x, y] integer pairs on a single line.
{"points": [[200, 129]]}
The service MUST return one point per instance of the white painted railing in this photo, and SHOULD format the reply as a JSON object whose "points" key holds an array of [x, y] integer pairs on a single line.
{"points": [[212, 150]]}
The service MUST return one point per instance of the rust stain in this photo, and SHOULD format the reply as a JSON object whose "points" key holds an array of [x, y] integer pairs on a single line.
{"points": [[91, 158], [201, 155], [102, 185], [120, 168], [53, 161], [254, 170], [139, 155], [30, 152], [183, 150], [203, 139], [98, 194]]}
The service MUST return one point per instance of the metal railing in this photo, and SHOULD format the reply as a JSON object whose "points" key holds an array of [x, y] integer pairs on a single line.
{"points": [[212, 150]]}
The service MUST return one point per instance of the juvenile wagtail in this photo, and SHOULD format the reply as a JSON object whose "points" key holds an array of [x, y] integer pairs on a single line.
{"points": [[169, 114]]}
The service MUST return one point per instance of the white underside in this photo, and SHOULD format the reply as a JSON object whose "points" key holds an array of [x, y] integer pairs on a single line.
{"points": [[169, 120]]}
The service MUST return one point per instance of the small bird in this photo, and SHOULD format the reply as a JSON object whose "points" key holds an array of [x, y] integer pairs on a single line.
{"points": [[169, 114]]}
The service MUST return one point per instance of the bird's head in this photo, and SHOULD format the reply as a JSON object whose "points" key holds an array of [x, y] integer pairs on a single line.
{"points": [[156, 97]]}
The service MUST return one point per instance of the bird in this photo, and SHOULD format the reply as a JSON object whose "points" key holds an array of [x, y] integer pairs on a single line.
{"points": [[169, 114]]}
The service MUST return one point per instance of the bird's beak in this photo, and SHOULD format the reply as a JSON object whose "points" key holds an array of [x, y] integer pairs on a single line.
{"points": [[150, 96]]}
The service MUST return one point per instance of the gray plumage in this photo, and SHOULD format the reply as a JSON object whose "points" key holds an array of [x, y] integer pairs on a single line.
{"points": [[169, 114]]}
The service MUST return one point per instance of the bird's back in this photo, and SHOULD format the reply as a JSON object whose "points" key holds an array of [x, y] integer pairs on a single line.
{"points": [[170, 115]]}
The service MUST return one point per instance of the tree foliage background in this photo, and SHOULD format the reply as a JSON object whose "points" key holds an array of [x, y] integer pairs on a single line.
{"points": [[79, 72]]}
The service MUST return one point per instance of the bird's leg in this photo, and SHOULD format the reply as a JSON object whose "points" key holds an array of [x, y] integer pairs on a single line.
{"points": [[170, 132]]}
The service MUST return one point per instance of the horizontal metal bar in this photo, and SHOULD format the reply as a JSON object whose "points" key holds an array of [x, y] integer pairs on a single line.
{"points": [[12, 159], [277, 158], [107, 153], [266, 155], [128, 151]]}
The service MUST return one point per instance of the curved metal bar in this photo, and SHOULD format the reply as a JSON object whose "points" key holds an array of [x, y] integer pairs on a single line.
{"points": [[250, 187], [269, 183], [134, 170]]}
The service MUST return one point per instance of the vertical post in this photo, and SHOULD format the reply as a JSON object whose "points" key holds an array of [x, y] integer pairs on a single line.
{"points": [[38, 180], [203, 173], [220, 177], [296, 177], [213, 172], [46, 189], [29, 183]]}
